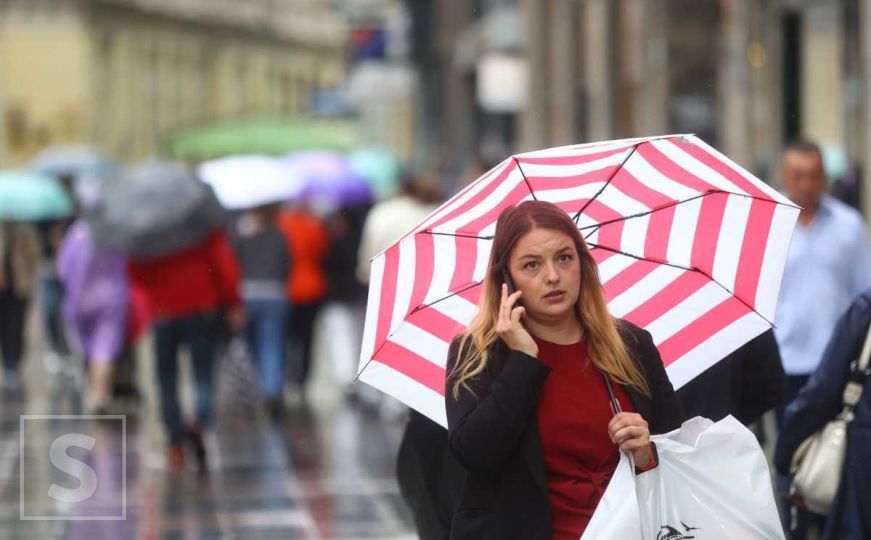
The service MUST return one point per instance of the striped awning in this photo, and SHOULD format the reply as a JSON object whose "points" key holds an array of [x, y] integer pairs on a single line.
{"points": [[690, 246]]}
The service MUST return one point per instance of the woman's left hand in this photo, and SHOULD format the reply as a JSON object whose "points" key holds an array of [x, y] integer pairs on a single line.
{"points": [[630, 432]]}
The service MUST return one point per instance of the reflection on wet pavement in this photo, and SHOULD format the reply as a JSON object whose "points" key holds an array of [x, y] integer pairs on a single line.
{"points": [[323, 472]]}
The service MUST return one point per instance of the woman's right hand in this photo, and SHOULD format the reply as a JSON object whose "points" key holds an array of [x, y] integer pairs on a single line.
{"points": [[509, 327]]}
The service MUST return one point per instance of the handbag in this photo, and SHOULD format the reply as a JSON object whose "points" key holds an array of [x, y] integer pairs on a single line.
{"points": [[818, 463]]}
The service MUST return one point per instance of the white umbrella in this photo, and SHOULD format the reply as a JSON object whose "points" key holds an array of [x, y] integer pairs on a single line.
{"points": [[242, 182]]}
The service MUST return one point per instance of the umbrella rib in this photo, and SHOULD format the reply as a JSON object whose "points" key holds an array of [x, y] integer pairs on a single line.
{"points": [[525, 180], [595, 227], [689, 269], [415, 310], [675, 203], [577, 216], [457, 235], [653, 210], [442, 299]]}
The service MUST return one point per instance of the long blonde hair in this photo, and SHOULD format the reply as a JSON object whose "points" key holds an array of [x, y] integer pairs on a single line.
{"points": [[606, 349]]}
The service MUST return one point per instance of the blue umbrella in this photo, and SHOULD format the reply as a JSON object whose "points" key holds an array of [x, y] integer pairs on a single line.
{"points": [[379, 167], [81, 162]]}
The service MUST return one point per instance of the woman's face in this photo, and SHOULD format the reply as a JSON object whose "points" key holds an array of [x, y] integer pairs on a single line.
{"points": [[544, 265]]}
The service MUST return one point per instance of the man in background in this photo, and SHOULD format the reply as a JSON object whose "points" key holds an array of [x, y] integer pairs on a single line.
{"points": [[828, 265]]}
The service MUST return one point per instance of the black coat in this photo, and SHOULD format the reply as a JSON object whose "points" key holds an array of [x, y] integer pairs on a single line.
{"points": [[493, 433], [430, 479], [819, 401], [745, 384]]}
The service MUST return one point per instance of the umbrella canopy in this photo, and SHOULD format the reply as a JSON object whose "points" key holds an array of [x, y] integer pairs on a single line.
{"points": [[379, 168], [80, 162], [267, 136], [32, 196], [154, 209], [247, 181], [690, 246], [330, 182]]}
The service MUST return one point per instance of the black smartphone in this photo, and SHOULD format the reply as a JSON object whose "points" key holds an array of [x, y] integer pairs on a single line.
{"points": [[506, 277]]}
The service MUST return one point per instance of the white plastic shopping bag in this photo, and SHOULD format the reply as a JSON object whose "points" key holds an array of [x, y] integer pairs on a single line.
{"points": [[712, 483]]}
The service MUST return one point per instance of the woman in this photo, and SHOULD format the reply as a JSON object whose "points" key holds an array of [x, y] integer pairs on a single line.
{"points": [[528, 401], [95, 306]]}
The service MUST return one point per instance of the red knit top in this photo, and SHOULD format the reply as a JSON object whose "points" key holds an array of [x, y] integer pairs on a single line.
{"points": [[573, 414]]}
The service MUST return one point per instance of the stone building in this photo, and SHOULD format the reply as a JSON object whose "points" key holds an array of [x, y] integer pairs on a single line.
{"points": [[126, 74]]}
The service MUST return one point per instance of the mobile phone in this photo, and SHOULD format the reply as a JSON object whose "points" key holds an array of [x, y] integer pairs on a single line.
{"points": [[506, 277]]}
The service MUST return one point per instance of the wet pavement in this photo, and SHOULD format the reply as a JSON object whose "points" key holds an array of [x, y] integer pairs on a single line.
{"points": [[326, 471]]}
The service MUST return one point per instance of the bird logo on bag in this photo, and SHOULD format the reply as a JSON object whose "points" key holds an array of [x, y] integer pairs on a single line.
{"points": [[667, 532]]}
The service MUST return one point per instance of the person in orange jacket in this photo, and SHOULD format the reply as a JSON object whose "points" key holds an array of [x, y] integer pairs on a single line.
{"points": [[187, 291], [308, 243]]}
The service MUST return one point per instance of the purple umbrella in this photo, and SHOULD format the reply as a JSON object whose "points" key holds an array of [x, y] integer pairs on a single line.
{"points": [[329, 180]]}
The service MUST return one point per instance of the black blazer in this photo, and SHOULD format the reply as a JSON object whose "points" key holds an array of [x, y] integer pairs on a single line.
{"points": [[493, 433]]}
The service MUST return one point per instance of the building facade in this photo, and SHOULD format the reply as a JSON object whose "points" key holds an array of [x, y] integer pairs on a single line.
{"points": [[124, 75], [745, 75]]}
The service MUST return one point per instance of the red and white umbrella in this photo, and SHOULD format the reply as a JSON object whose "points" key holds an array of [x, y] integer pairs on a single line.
{"points": [[690, 246]]}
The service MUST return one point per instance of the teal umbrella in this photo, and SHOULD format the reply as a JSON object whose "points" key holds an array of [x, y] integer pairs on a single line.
{"points": [[32, 196], [379, 167]]}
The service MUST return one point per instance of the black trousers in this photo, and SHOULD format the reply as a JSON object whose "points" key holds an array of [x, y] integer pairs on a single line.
{"points": [[301, 333], [430, 479], [13, 312]]}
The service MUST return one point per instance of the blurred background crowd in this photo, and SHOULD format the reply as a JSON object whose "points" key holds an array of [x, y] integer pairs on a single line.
{"points": [[214, 176]]}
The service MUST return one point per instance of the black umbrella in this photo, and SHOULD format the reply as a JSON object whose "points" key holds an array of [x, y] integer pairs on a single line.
{"points": [[154, 209]]}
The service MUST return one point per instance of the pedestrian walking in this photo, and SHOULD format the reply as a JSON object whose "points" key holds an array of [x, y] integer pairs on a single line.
{"points": [[264, 259], [19, 257], [345, 306], [826, 268], [818, 402], [535, 383], [188, 292], [308, 242], [95, 306], [51, 235]]}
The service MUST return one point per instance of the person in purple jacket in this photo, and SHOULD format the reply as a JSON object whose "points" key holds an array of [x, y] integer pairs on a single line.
{"points": [[95, 307]]}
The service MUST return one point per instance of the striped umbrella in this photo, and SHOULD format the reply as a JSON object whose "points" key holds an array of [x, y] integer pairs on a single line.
{"points": [[690, 246]]}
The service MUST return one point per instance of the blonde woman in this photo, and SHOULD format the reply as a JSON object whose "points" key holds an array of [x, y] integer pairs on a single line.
{"points": [[532, 381]]}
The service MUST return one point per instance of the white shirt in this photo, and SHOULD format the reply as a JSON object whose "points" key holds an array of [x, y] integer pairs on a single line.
{"points": [[385, 224]]}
